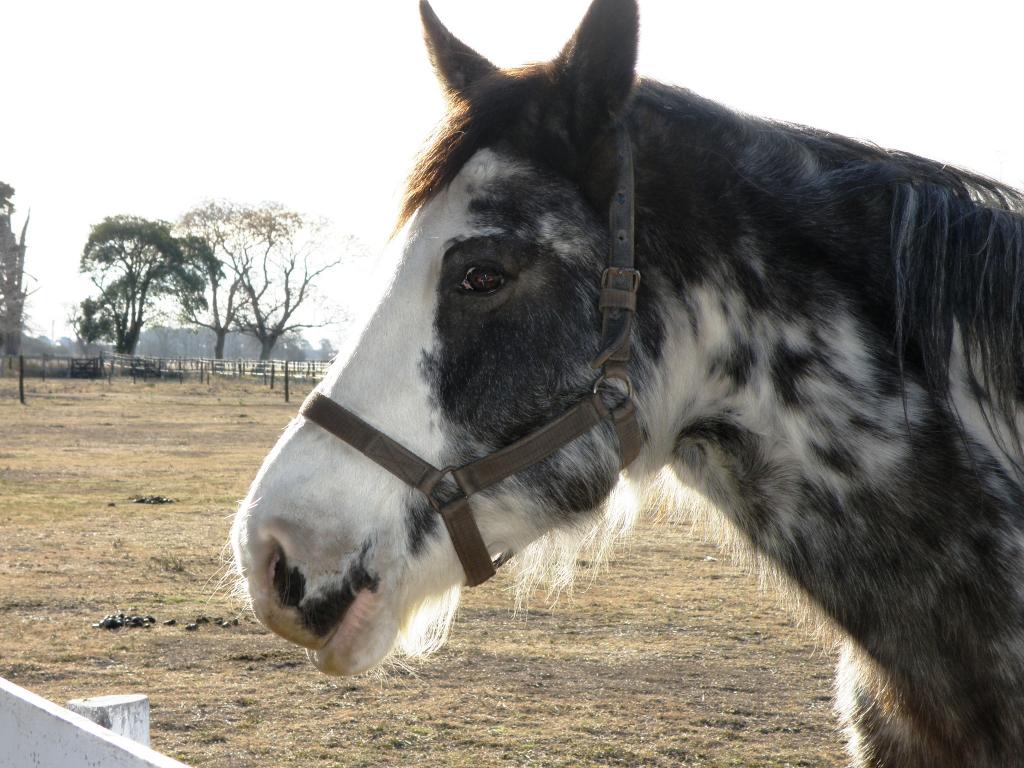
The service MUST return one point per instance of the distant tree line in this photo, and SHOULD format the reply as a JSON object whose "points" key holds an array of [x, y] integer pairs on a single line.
{"points": [[174, 341], [223, 267], [170, 341]]}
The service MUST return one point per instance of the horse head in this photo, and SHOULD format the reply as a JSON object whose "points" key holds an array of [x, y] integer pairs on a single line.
{"points": [[489, 331]]}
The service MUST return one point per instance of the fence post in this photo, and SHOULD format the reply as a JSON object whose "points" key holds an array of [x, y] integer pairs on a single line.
{"points": [[286, 381], [21, 380], [272, 375], [125, 715], [44, 367]]}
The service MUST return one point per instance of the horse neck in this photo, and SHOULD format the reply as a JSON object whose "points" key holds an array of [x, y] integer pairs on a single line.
{"points": [[775, 393]]}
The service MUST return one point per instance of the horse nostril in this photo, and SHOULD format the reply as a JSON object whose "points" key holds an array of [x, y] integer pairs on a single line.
{"points": [[289, 582]]}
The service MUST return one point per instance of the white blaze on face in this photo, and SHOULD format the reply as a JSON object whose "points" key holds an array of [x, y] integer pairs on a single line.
{"points": [[321, 501]]}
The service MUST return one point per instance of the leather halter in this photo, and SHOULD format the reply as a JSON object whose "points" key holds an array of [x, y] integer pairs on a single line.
{"points": [[619, 284]]}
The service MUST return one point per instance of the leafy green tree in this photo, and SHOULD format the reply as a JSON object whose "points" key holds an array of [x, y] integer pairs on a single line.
{"points": [[134, 262], [91, 323]]}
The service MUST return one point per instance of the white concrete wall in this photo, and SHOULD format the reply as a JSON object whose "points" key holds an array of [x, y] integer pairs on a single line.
{"points": [[36, 733]]}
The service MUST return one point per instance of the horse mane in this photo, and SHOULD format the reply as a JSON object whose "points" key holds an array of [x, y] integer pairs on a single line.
{"points": [[954, 267], [956, 263], [958, 259]]}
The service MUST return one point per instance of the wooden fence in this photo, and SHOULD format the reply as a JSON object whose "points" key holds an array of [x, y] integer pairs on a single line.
{"points": [[271, 373]]}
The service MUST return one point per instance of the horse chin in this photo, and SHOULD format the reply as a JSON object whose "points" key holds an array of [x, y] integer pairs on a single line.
{"points": [[361, 641]]}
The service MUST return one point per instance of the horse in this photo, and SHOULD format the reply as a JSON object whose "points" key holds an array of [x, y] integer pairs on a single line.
{"points": [[825, 347]]}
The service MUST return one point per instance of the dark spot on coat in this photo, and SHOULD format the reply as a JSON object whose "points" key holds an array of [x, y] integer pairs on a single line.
{"points": [[789, 367], [835, 457]]}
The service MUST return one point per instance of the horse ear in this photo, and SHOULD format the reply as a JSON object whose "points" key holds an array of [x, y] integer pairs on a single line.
{"points": [[597, 67], [457, 65]]}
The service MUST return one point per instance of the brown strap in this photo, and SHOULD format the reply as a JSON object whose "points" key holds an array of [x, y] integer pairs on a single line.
{"points": [[469, 544], [412, 470], [617, 319], [631, 439], [534, 447], [371, 442], [615, 298]]}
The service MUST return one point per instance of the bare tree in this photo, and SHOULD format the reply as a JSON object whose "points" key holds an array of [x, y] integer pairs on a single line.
{"points": [[277, 263], [13, 291], [218, 227]]}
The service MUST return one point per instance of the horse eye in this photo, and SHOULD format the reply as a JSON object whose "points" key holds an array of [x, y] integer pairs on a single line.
{"points": [[482, 280]]}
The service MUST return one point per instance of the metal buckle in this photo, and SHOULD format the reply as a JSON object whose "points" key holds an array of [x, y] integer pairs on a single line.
{"points": [[632, 274], [461, 497], [435, 502]]}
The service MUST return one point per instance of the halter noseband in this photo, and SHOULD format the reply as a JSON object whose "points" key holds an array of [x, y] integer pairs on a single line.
{"points": [[619, 284]]}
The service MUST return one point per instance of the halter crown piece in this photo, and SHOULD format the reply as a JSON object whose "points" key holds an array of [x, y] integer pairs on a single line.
{"points": [[619, 284]]}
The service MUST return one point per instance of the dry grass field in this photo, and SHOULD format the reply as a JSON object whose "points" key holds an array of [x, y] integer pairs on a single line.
{"points": [[673, 657]]}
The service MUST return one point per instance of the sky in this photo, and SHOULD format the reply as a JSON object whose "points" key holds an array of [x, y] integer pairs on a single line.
{"points": [[148, 108]]}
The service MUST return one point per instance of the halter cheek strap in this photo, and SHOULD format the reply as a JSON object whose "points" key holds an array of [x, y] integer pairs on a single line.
{"points": [[621, 280], [619, 284]]}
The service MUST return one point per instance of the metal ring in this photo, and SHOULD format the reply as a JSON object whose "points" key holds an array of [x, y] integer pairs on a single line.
{"points": [[435, 502], [607, 377], [503, 558]]}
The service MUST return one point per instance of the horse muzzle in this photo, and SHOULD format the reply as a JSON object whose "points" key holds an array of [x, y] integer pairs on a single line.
{"points": [[340, 616]]}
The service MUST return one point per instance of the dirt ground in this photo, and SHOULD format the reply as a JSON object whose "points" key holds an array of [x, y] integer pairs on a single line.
{"points": [[673, 657]]}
